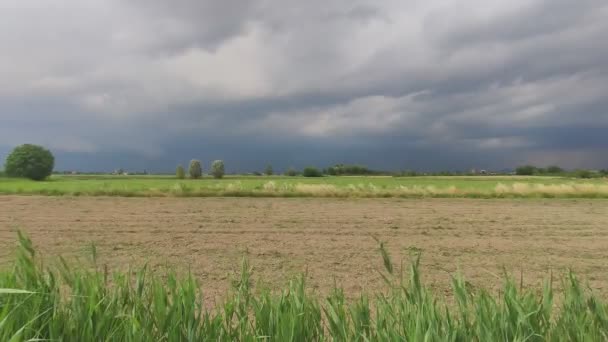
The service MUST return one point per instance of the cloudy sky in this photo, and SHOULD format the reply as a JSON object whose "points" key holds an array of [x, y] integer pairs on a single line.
{"points": [[394, 84]]}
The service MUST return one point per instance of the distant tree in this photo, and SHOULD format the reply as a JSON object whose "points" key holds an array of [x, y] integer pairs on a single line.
{"points": [[526, 170], [583, 174], [217, 169], [409, 173], [351, 170], [268, 171], [311, 172], [30, 161], [554, 169], [291, 172], [180, 173], [196, 169], [257, 173]]}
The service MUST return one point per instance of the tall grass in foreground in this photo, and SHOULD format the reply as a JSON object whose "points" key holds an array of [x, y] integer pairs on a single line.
{"points": [[76, 304]]}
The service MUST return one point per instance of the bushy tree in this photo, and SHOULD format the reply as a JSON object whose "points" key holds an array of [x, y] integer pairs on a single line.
{"points": [[217, 169], [30, 161], [268, 171], [180, 173], [291, 172], [351, 170], [311, 172], [554, 169], [526, 170], [583, 174], [196, 169]]}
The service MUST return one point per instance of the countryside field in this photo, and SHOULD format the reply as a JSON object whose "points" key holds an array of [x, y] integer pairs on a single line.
{"points": [[330, 239], [333, 243], [281, 186], [295, 258]]}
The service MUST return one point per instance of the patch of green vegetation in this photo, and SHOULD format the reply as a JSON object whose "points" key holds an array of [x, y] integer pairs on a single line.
{"points": [[294, 186], [87, 304]]}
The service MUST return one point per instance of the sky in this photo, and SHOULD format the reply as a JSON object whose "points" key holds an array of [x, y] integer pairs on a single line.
{"points": [[391, 84]]}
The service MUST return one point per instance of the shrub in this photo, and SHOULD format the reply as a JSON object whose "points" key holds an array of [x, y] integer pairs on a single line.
{"points": [[554, 169], [409, 173], [268, 171], [217, 169], [526, 170], [311, 172], [30, 161], [291, 172], [350, 170], [196, 169], [583, 174], [180, 173]]}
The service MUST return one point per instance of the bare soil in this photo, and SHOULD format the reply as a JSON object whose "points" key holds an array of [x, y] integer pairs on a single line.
{"points": [[329, 239]]}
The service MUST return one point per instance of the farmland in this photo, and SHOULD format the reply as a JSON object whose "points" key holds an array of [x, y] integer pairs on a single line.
{"points": [[280, 186], [296, 258], [329, 241]]}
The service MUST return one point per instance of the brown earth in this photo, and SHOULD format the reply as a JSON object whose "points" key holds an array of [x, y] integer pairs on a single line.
{"points": [[330, 239]]}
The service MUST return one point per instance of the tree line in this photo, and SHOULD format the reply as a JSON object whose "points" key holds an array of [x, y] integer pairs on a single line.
{"points": [[531, 170], [37, 163], [195, 170]]}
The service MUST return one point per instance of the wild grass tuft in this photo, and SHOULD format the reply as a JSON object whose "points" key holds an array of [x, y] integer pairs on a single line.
{"points": [[65, 303]]}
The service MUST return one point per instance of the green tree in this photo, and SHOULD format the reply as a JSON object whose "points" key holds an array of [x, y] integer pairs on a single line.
{"points": [[196, 169], [291, 172], [180, 173], [583, 174], [526, 170], [311, 172], [554, 169], [30, 161], [268, 171], [217, 169]]}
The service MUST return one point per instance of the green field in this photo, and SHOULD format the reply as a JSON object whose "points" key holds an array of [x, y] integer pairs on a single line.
{"points": [[281, 186]]}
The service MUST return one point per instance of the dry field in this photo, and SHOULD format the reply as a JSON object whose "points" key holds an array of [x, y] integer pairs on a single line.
{"points": [[330, 239]]}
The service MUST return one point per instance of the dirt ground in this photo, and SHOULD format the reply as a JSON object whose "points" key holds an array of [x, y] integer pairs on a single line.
{"points": [[330, 239]]}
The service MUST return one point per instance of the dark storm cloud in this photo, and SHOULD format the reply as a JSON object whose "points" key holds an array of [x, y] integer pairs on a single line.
{"points": [[523, 22], [394, 84], [190, 23]]}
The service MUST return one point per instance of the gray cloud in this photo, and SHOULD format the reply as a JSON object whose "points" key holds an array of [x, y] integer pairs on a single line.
{"points": [[416, 84]]}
